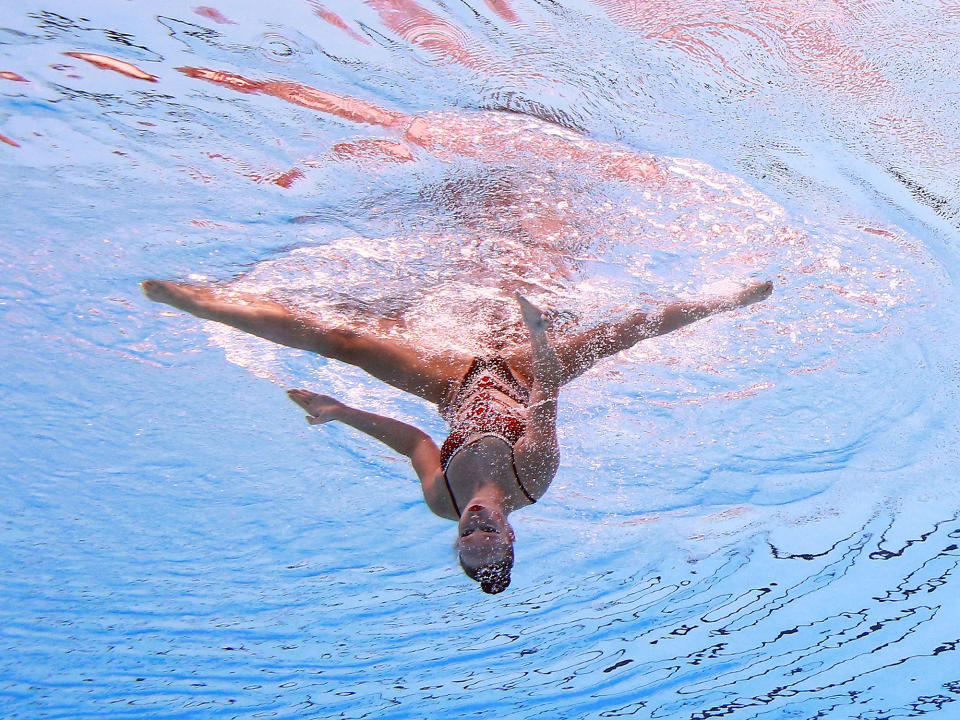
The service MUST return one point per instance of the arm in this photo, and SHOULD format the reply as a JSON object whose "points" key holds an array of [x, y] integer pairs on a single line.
{"points": [[398, 436]]}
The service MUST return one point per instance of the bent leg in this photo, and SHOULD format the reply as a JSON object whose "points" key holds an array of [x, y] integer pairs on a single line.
{"points": [[427, 375], [547, 371]]}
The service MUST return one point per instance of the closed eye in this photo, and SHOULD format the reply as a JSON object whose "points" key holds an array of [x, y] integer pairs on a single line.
{"points": [[484, 527]]}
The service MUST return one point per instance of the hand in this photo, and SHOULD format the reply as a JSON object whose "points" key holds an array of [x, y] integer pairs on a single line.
{"points": [[321, 408]]}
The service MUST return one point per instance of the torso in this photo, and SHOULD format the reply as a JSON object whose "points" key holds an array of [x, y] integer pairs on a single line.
{"points": [[487, 415]]}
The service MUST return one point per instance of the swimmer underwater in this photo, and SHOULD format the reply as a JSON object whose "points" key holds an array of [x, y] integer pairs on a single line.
{"points": [[501, 454]]}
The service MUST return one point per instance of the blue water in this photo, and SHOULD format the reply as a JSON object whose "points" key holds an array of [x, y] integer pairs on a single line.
{"points": [[755, 517]]}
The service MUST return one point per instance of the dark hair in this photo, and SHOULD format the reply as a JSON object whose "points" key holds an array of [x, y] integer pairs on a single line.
{"points": [[493, 578]]}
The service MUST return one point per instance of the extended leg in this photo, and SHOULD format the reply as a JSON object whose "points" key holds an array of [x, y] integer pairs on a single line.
{"points": [[579, 352], [428, 375]]}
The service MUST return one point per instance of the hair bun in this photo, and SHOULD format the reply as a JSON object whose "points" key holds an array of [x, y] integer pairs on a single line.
{"points": [[494, 582]]}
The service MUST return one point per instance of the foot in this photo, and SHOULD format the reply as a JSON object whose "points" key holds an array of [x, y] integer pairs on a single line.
{"points": [[534, 318], [754, 293], [546, 366], [181, 295], [320, 408]]}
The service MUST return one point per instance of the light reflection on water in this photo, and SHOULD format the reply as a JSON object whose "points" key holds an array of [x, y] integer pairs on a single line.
{"points": [[755, 517]]}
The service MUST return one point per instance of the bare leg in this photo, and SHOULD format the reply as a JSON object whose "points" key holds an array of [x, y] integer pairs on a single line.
{"points": [[544, 363], [320, 408], [427, 375], [579, 352]]}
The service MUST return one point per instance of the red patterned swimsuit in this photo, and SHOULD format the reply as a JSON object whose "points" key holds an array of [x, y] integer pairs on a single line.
{"points": [[490, 402]]}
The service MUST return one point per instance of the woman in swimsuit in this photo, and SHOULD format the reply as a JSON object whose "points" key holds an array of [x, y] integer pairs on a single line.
{"points": [[502, 452]]}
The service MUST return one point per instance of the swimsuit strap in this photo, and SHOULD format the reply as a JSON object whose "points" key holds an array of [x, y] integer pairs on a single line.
{"points": [[450, 493], [517, 476]]}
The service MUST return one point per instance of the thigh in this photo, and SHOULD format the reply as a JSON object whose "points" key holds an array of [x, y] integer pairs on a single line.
{"points": [[429, 373]]}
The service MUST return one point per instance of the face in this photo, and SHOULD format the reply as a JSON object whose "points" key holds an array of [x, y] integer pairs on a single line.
{"points": [[485, 536]]}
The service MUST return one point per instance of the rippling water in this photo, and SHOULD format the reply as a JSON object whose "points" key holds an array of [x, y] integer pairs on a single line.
{"points": [[755, 517]]}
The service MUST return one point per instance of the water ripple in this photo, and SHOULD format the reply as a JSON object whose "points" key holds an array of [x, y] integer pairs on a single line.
{"points": [[755, 518]]}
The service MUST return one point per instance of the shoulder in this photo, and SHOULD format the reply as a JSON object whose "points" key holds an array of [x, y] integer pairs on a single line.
{"points": [[437, 496], [536, 465]]}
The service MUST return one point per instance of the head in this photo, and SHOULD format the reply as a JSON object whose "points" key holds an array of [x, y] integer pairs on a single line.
{"points": [[485, 545]]}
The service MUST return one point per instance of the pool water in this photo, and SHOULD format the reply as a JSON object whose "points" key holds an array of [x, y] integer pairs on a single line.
{"points": [[755, 517]]}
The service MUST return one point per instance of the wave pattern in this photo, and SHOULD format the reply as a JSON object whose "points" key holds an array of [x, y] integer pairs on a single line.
{"points": [[687, 639]]}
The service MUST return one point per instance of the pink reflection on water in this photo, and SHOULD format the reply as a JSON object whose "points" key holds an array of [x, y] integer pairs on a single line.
{"points": [[423, 29], [503, 9], [281, 179], [331, 17], [213, 14], [298, 94], [812, 37], [376, 150], [106, 62]]}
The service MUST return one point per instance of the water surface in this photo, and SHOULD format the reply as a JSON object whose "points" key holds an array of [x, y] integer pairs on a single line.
{"points": [[755, 517]]}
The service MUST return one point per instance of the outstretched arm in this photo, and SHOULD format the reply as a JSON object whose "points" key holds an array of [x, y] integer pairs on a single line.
{"points": [[399, 436]]}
